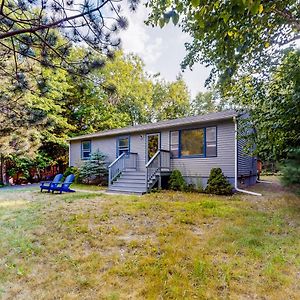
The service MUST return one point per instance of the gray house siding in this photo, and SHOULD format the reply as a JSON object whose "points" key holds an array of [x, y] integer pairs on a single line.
{"points": [[247, 163], [195, 170], [106, 145]]}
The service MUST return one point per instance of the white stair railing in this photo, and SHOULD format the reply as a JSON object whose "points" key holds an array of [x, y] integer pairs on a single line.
{"points": [[124, 161], [158, 163]]}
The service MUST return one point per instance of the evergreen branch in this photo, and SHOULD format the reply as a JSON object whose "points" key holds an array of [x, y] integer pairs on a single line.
{"points": [[51, 25]]}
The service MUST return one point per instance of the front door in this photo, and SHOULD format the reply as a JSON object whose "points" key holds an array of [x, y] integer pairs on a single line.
{"points": [[152, 145]]}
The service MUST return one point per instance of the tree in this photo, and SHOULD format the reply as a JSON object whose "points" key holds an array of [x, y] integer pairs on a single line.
{"points": [[231, 36], [31, 30], [176, 181], [291, 169], [94, 169], [171, 100], [203, 103], [217, 183], [274, 106], [128, 86]]}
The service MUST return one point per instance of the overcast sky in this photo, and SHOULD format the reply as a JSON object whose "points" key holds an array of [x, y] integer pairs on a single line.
{"points": [[162, 50]]}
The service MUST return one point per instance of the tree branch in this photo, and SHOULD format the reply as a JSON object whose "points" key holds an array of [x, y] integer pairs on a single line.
{"points": [[50, 25], [289, 18]]}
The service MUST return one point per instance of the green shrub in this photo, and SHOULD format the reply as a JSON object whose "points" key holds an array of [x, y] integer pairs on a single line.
{"points": [[176, 181], [291, 169], [217, 183], [72, 170], [95, 169]]}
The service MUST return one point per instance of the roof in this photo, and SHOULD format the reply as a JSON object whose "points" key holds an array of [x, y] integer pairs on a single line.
{"points": [[212, 117]]}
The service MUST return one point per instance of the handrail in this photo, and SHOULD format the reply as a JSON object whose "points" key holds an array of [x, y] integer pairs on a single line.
{"points": [[155, 166], [122, 162], [118, 158], [152, 158]]}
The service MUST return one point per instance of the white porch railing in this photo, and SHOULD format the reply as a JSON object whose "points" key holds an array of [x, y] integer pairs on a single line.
{"points": [[124, 161], [159, 162]]}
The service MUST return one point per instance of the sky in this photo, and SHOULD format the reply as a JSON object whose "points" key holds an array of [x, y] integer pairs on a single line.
{"points": [[162, 50]]}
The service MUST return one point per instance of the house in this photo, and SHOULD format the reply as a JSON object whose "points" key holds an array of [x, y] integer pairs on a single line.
{"points": [[141, 156]]}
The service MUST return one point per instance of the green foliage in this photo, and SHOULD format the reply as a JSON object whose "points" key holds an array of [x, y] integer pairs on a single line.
{"points": [[274, 105], [217, 183], [170, 100], [23, 164], [73, 170], [231, 36], [94, 169], [291, 169], [176, 181], [59, 105], [203, 103]]}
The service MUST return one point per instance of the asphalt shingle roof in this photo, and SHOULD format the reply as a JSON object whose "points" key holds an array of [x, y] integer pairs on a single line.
{"points": [[218, 116]]}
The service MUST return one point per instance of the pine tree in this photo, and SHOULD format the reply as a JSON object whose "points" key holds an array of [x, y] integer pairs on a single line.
{"points": [[94, 169], [177, 182], [217, 183]]}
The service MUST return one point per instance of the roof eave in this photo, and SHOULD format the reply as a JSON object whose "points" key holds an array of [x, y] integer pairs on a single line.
{"points": [[139, 130]]}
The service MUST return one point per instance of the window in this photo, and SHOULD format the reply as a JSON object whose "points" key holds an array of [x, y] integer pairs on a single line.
{"points": [[123, 145], [174, 143], [85, 149], [211, 141], [192, 142]]}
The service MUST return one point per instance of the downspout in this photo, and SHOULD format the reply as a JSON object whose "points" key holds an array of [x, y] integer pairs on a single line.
{"points": [[236, 162]]}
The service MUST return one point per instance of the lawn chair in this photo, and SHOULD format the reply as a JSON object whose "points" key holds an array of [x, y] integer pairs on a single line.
{"points": [[64, 186], [47, 185]]}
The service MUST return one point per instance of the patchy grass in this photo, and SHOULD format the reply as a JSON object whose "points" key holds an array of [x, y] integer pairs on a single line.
{"points": [[163, 245], [80, 186]]}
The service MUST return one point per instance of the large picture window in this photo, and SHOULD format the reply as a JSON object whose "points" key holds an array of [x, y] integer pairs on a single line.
{"points": [[174, 143], [85, 150], [123, 145], [192, 142], [211, 141]]}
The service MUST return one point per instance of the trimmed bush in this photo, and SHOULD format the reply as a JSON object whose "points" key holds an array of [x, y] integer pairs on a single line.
{"points": [[217, 183], [176, 181]]}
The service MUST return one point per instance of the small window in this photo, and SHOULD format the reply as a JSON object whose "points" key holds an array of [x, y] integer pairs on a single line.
{"points": [[123, 145], [211, 141], [192, 142], [174, 143], [85, 149]]}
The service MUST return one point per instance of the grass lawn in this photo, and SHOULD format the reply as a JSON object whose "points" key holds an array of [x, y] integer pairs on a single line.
{"points": [[158, 246]]}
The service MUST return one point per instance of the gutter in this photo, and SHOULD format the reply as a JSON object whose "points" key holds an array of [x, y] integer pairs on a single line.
{"points": [[236, 162]]}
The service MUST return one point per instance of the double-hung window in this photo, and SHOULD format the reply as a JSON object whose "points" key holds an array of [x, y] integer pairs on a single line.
{"points": [[122, 145], [192, 142], [174, 143], [211, 141], [85, 150], [198, 142]]}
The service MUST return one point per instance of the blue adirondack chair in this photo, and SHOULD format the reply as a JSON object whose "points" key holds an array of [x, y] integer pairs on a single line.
{"points": [[64, 186], [47, 185]]}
